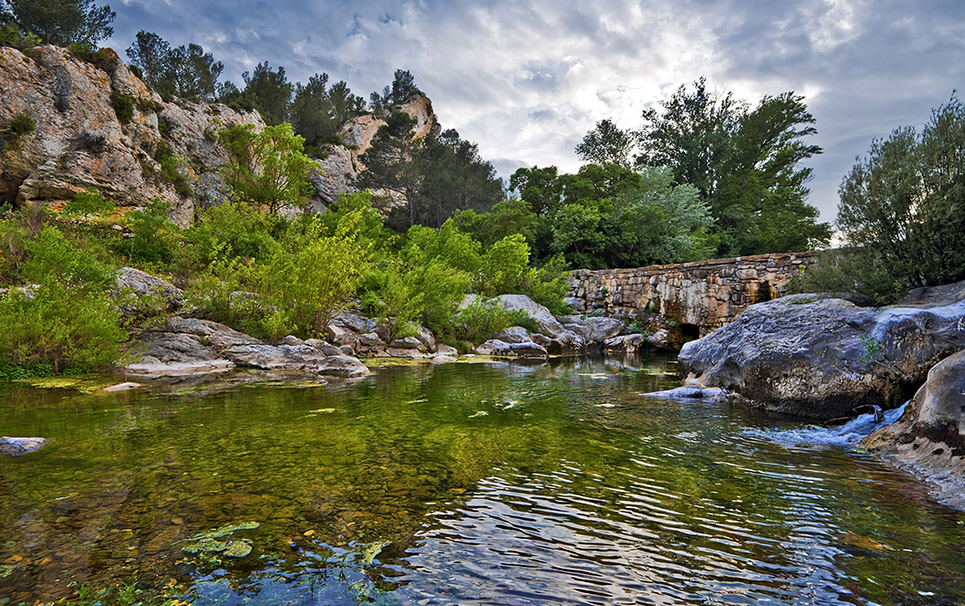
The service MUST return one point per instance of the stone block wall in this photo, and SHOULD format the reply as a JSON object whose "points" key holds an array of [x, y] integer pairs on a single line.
{"points": [[705, 294]]}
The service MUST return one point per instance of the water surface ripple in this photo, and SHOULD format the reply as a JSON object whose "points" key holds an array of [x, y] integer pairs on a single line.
{"points": [[463, 484]]}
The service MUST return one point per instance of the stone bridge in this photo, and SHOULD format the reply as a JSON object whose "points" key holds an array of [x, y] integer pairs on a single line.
{"points": [[698, 297]]}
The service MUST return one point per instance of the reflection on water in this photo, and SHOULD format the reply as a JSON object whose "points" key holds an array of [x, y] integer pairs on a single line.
{"points": [[459, 484]]}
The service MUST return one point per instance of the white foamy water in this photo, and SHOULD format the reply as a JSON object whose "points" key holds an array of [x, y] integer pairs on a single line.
{"points": [[843, 436]]}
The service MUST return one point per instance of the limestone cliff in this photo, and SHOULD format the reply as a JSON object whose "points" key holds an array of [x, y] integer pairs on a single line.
{"points": [[80, 141], [342, 165]]}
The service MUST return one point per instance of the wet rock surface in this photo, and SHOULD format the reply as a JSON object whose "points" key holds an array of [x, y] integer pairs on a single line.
{"points": [[20, 446], [929, 438], [820, 358]]}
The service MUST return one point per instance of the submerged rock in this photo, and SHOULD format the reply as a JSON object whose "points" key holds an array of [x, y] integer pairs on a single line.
{"points": [[929, 438], [20, 446], [821, 358]]}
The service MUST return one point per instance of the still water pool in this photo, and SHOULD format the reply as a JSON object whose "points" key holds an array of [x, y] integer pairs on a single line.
{"points": [[485, 483]]}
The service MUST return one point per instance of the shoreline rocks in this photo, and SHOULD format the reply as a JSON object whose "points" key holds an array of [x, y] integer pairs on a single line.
{"points": [[819, 358], [929, 438]]}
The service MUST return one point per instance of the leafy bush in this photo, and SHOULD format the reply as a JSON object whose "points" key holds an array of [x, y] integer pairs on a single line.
{"points": [[906, 202], [64, 320], [123, 105], [88, 202], [268, 167], [479, 320], [103, 58], [232, 230], [547, 284], [18, 127], [171, 168], [503, 266], [861, 271], [155, 237], [10, 35]]}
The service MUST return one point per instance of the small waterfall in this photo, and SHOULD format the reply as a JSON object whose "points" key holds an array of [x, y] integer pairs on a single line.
{"points": [[845, 435]]}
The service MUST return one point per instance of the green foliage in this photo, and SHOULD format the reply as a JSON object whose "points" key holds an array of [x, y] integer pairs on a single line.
{"points": [[432, 177], [155, 238], [171, 165], [268, 167], [547, 284], [402, 90], [123, 105], [503, 266], [60, 22], [606, 144], [862, 271], [10, 35], [184, 71], [266, 90], [232, 230], [19, 126], [88, 203], [744, 164], [313, 275], [906, 200], [318, 112], [102, 58], [480, 319], [64, 319]]}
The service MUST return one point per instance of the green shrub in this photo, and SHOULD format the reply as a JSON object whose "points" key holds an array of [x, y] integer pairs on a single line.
{"points": [[503, 266], [88, 202], [18, 127], [65, 320], [10, 35], [479, 320], [171, 168], [547, 284], [233, 230], [123, 105], [155, 238], [104, 58], [860, 271], [148, 106]]}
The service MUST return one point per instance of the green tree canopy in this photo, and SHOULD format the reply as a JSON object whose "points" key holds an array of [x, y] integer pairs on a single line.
{"points": [[606, 143], [184, 71], [266, 90], [319, 112], [60, 22], [905, 200], [745, 164]]}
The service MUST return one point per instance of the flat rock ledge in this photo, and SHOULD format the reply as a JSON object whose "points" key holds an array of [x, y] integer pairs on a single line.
{"points": [[190, 346], [20, 446]]}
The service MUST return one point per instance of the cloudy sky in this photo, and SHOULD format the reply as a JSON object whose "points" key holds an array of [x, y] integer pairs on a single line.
{"points": [[526, 80]]}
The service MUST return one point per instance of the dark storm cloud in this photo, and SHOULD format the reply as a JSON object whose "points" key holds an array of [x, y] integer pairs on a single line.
{"points": [[526, 80]]}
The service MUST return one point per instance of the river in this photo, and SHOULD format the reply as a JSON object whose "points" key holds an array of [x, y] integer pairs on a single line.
{"points": [[460, 483]]}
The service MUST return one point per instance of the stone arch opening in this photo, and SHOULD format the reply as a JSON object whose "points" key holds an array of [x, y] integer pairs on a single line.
{"points": [[689, 332]]}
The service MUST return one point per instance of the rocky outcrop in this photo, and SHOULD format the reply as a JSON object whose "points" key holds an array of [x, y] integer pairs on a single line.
{"points": [[821, 358], [80, 140], [929, 438], [342, 165], [134, 285], [193, 346], [20, 446]]}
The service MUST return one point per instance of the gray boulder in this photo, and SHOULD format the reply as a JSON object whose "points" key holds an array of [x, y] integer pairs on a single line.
{"points": [[822, 357], [929, 438], [601, 328], [624, 343], [513, 334], [137, 284], [193, 346], [547, 323], [495, 347]]}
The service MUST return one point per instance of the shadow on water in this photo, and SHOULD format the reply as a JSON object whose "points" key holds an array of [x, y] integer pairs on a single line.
{"points": [[458, 484]]}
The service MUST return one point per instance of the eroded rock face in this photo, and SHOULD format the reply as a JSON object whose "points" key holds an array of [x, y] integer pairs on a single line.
{"points": [[340, 168], [929, 438], [80, 142], [193, 346], [822, 357]]}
